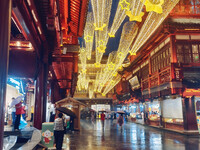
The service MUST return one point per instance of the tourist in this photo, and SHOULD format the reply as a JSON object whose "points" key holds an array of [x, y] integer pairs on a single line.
{"points": [[59, 131]]}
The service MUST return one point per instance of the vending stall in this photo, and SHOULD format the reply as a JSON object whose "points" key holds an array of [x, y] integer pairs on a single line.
{"points": [[73, 105]]}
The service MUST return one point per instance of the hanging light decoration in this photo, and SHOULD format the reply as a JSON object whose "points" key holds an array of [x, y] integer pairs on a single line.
{"points": [[122, 8], [82, 57], [111, 84], [154, 5], [151, 24], [88, 35], [129, 33], [101, 11], [116, 58], [91, 91], [101, 39], [135, 13]]}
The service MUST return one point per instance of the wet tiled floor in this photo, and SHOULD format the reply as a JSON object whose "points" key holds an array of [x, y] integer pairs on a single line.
{"points": [[132, 137]]}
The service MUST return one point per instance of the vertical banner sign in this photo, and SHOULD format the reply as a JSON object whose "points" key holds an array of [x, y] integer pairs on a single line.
{"points": [[197, 108], [47, 134]]}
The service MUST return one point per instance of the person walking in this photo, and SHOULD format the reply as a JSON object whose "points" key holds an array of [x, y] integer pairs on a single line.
{"points": [[59, 131], [121, 120], [13, 112], [19, 111], [102, 119]]}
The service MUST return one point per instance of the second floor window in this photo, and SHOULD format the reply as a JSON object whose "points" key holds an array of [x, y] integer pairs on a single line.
{"points": [[188, 53]]}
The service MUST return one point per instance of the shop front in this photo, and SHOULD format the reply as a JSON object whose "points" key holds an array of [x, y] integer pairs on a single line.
{"points": [[172, 113], [152, 112], [137, 112]]}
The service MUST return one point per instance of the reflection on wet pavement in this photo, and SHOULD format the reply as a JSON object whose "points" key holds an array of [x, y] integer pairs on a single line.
{"points": [[131, 137]]}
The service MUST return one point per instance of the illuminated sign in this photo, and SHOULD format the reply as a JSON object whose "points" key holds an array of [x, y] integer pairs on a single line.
{"points": [[14, 81], [134, 83]]}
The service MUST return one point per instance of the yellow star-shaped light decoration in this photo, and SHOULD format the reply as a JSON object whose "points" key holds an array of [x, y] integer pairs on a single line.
{"points": [[120, 54], [156, 7], [114, 74], [99, 91], [101, 48], [89, 57], [99, 28], [82, 50], [124, 5], [97, 65], [103, 94], [112, 82], [111, 66], [101, 84], [88, 38], [84, 70], [133, 17], [111, 35], [132, 53], [120, 68]]}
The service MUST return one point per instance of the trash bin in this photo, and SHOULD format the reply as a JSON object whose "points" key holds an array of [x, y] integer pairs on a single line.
{"points": [[47, 134]]}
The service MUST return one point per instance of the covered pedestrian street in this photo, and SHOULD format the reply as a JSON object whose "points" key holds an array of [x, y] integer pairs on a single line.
{"points": [[133, 137]]}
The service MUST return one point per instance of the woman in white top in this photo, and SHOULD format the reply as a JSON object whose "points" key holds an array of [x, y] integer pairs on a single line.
{"points": [[59, 131]]}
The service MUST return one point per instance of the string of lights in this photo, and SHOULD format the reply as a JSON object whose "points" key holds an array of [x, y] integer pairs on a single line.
{"points": [[151, 23], [89, 35]]}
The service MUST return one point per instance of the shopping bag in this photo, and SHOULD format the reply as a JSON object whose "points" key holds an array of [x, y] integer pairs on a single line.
{"points": [[23, 123]]}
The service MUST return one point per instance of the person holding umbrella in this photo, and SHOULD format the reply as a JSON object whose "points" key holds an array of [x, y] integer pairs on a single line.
{"points": [[120, 119], [59, 131]]}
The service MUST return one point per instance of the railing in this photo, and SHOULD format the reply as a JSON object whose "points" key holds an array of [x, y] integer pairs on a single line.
{"points": [[156, 79]]}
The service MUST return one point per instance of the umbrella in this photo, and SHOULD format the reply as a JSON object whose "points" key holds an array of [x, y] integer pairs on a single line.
{"points": [[17, 100], [102, 111], [120, 112], [66, 111], [92, 110]]}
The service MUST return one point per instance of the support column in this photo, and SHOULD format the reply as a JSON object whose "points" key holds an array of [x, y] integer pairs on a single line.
{"points": [[40, 96], [189, 117], [5, 20]]}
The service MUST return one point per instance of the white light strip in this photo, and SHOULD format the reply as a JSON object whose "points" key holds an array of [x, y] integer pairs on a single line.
{"points": [[34, 16]]}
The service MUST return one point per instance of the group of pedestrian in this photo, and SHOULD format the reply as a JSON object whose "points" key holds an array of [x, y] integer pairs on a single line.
{"points": [[120, 120]]}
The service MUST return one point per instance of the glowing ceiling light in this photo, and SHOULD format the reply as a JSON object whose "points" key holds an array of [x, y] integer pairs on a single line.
{"points": [[151, 24], [18, 43], [89, 35]]}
